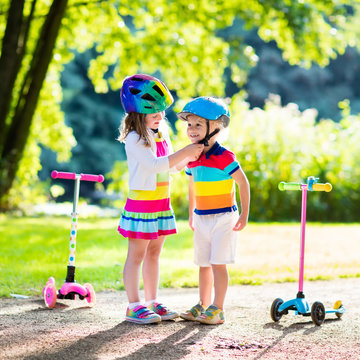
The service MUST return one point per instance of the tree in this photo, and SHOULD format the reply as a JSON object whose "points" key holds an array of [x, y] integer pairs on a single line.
{"points": [[177, 38]]}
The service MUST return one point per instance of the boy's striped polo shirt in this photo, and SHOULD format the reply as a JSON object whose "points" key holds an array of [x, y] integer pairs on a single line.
{"points": [[214, 186]]}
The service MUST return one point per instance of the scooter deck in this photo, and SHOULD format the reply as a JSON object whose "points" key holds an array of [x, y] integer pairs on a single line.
{"points": [[301, 307]]}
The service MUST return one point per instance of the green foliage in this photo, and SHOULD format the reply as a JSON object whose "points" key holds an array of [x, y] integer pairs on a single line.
{"points": [[133, 36], [283, 144], [94, 119], [118, 187]]}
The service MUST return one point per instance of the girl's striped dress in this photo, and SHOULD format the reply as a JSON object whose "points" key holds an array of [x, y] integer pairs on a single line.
{"points": [[148, 214]]}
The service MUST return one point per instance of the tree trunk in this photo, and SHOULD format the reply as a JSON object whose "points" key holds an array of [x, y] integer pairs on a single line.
{"points": [[13, 51], [19, 128], [9, 60]]}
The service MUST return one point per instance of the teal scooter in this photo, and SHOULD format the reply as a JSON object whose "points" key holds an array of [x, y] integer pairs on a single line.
{"points": [[299, 305]]}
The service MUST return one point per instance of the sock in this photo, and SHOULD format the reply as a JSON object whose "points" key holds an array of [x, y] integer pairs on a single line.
{"points": [[134, 305], [149, 302]]}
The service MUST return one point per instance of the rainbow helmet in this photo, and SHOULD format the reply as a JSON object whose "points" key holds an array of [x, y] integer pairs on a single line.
{"points": [[145, 94]]}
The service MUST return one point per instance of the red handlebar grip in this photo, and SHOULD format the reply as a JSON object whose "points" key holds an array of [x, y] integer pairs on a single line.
{"points": [[89, 177], [62, 175]]}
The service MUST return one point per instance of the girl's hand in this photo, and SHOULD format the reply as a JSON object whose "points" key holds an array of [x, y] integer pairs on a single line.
{"points": [[194, 151], [241, 223]]}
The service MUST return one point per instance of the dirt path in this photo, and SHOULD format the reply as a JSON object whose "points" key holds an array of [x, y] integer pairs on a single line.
{"points": [[72, 331]]}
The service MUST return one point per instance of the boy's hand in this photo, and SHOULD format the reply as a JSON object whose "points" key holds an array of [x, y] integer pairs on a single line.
{"points": [[191, 222], [241, 223]]}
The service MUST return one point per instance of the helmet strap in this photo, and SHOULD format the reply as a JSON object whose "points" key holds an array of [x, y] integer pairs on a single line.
{"points": [[207, 137]]}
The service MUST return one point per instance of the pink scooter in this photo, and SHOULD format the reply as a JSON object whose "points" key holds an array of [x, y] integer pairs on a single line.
{"points": [[299, 305], [70, 288]]}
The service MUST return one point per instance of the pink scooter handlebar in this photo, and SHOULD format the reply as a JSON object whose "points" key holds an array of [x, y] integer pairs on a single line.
{"points": [[71, 176]]}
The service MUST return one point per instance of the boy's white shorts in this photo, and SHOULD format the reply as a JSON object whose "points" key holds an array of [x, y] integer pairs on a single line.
{"points": [[214, 238]]}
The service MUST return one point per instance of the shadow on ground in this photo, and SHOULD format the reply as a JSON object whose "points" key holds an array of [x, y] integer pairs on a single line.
{"points": [[174, 346]]}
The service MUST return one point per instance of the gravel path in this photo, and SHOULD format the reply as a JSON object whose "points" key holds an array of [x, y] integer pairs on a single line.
{"points": [[71, 330]]}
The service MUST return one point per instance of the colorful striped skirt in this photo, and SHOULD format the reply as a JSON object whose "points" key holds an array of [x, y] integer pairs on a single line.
{"points": [[147, 219], [148, 214]]}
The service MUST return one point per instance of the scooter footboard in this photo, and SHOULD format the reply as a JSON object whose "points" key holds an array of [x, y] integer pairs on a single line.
{"points": [[300, 305], [73, 287]]}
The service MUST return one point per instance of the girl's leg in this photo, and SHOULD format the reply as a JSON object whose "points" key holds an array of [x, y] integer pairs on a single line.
{"points": [[136, 253], [206, 281], [151, 268], [221, 280]]}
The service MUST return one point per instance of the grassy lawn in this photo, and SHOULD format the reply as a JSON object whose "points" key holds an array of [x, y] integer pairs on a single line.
{"points": [[32, 249]]}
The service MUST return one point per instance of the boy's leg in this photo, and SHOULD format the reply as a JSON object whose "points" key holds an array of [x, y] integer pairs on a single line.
{"points": [[131, 275], [205, 289], [221, 281], [214, 314], [151, 268], [206, 281]]}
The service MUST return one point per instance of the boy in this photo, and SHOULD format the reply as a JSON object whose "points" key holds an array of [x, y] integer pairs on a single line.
{"points": [[213, 213]]}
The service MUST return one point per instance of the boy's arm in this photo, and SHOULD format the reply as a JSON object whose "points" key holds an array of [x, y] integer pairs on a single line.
{"points": [[244, 188], [191, 202]]}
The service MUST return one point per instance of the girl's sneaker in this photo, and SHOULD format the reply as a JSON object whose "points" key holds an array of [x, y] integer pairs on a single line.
{"points": [[212, 315], [142, 315], [163, 311], [193, 313]]}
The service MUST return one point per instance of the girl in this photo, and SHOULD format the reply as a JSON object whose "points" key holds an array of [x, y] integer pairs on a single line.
{"points": [[147, 216]]}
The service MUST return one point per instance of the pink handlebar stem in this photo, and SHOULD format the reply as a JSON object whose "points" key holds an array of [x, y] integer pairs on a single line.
{"points": [[72, 176]]}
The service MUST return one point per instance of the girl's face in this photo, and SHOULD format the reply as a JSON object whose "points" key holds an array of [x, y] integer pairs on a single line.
{"points": [[152, 121], [196, 128]]}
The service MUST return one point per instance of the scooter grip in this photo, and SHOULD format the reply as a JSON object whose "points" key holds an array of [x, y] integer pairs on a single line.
{"points": [[90, 177], [62, 175], [289, 186], [322, 187]]}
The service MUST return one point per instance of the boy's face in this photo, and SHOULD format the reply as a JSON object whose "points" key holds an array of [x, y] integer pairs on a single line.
{"points": [[153, 120], [196, 128]]}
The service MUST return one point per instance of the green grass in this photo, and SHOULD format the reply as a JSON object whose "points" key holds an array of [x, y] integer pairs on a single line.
{"points": [[32, 249]]}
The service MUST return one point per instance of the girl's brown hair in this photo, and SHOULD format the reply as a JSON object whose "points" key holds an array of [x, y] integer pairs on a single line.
{"points": [[134, 122]]}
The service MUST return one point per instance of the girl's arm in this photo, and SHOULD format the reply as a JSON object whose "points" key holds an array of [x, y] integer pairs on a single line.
{"points": [[146, 158], [244, 188], [184, 155], [183, 163], [193, 154], [191, 202]]}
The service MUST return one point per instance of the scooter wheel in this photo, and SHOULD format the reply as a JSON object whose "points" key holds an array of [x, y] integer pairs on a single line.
{"points": [[274, 312], [338, 314], [50, 295], [91, 297], [317, 313], [338, 306], [50, 280]]}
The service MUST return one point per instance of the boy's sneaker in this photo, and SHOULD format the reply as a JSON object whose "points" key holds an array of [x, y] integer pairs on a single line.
{"points": [[163, 311], [193, 313], [212, 315], [142, 315]]}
